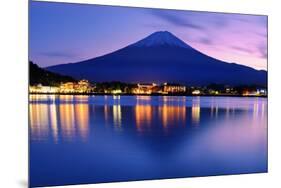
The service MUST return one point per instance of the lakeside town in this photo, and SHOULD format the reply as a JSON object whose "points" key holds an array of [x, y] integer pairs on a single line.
{"points": [[119, 88]]}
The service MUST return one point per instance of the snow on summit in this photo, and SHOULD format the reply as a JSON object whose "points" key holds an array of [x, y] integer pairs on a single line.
{"points": [[160, 38]]}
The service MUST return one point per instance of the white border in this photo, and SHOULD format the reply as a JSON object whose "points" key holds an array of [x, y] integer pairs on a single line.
{"points": [[13, 95]]}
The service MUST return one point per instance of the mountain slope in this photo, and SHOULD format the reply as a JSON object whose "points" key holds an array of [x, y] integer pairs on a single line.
{"points": [[38, 75], [161, 57]]}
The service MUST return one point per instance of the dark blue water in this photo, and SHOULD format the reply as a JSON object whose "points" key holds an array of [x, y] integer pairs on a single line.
{"points": [[81, 139]]}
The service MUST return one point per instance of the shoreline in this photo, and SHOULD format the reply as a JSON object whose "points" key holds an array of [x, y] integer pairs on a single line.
{"points": [[127, 94]]}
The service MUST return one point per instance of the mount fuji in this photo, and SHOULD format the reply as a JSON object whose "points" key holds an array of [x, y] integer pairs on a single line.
{"points": [[161, 57]]}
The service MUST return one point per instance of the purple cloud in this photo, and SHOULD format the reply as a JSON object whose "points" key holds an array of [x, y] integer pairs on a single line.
{"points": [[206, 41], [262, 48], [242, 49], [176, 20], [58, 54]]}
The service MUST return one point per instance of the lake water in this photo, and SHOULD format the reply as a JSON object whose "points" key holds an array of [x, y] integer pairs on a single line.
{"points": [[91, 139]]}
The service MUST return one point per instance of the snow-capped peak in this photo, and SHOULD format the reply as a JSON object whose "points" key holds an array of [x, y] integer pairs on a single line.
{"points": [[161, 38]]}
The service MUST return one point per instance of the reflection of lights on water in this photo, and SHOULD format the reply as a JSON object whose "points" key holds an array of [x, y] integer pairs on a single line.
{"points": [[212, 107], [38, 97], [42, 97], [227, 112], [54, 121], [117, 115], [71, 115], [178, 99], [143, 114], [116, 97], [259, 110], [82, 119], [164, 112], [142, 100], [67, 120], [195, 110], [82, 98], [183, 99], [262, 110], [143, 97], [256, 110], [52, 98], [217, 111], [66, 97], [195, 113], [106, 113], [228, 104], [39, 122], [165, 98], [171, 115]]}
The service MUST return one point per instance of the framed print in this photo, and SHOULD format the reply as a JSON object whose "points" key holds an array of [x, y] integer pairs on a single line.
{"points": [[124, 93]]}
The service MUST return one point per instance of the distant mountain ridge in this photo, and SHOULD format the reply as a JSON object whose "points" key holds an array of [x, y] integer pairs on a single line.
{"points": [[38, 75], [161, 57]]}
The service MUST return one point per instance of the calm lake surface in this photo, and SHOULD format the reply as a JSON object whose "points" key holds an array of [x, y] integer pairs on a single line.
{"points": [[90, 139]]}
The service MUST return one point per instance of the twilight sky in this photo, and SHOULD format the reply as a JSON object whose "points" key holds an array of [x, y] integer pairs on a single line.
{"points": [[63, 33]]}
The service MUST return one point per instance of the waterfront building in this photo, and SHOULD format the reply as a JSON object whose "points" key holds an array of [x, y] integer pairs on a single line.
{"points": [[68, 87], [145, 88], [196, 92], [43, 89], [262, 91], [83, 86], [213, 92], [257, 92], [173, 88], [116, 91]]}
